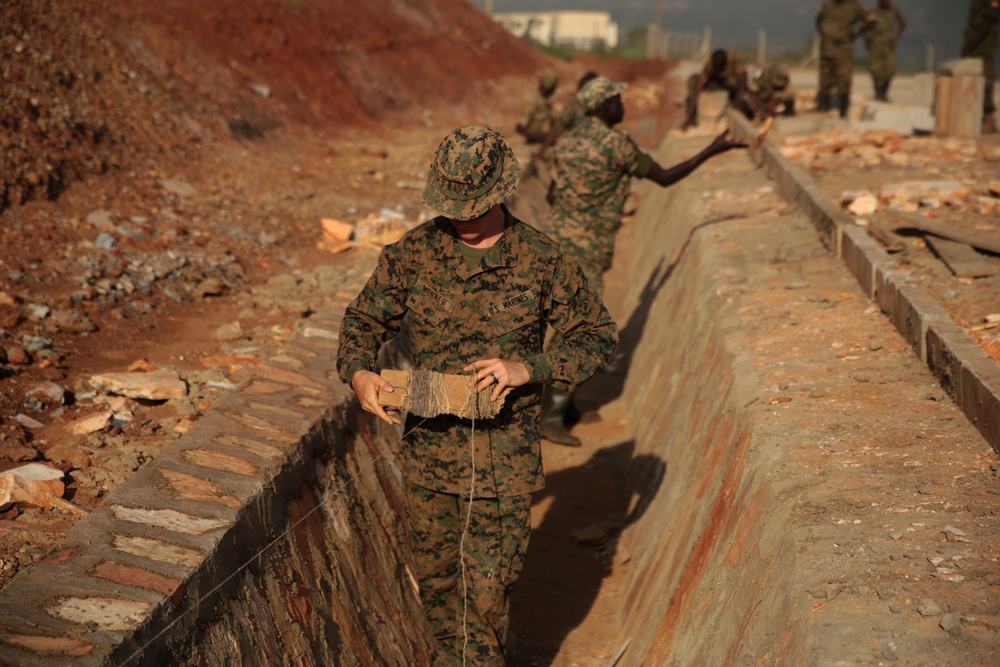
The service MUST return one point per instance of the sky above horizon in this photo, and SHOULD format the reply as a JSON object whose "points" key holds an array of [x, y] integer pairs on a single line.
{"points": [[788, 24]]}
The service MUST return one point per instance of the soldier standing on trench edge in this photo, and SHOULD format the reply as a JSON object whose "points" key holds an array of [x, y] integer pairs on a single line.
{"points": [[836, 23], [594, 167], [479, 288], [980, 41]]}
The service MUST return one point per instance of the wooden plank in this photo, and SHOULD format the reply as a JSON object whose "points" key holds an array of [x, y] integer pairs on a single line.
{"points": [[58, 529], [893, 242], [981, 240], [962, 259]]}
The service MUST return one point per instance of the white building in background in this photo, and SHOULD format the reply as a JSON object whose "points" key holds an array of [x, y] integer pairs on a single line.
{"points": [[579, 30]]}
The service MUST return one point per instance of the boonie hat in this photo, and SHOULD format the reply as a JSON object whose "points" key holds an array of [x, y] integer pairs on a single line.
{"points": [[597, 91], [472, 171], [548, 79]]}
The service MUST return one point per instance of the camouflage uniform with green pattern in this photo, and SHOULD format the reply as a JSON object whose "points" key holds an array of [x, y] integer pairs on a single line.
{"points": [[595, 165], [728, 79], [571, 116], [458, 314], [772, 85], [837, 21], [882, 42], [984, 18]]}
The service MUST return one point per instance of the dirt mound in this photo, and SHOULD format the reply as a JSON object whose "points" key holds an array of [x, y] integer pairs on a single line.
{"points": [[90, 88]]}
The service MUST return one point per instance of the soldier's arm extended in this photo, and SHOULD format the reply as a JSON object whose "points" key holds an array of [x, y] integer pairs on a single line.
{"points": [[664, 177]]}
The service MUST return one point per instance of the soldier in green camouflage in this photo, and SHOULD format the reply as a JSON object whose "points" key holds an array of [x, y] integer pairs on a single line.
{"points": [[594, 167], [980, 41], [479, 288], [839, 23], [723, 71], [770, 90], [536, 119], [881, 42]]}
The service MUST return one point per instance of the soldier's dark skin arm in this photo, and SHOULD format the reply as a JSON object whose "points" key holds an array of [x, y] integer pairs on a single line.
{"points": [[665, 177]]}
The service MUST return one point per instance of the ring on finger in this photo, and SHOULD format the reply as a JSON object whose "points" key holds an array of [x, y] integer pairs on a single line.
{"points": [[495, 378]]}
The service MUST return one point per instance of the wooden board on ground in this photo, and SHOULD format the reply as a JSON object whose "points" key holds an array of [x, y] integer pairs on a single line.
{"points": [[982, 240], [962, 259], [893, 242]]}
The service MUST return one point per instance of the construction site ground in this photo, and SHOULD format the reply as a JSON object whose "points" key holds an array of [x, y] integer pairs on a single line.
{"points": [[174, 223]]}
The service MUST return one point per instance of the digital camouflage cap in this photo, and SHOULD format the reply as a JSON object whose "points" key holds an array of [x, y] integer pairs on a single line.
{"points": [[597, 91], [472, 171]]}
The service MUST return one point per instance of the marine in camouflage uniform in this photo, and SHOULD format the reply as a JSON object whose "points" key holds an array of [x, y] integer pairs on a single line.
{"points": [[980, 41], [839, 23], [594, 168], [771, 89], [536, 120], [881, 42], [479, 288], [723, 71]]}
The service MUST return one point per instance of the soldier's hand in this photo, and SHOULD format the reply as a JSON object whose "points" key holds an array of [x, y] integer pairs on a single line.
{"points": [[366, 386], [723, 143], [497, 373]]}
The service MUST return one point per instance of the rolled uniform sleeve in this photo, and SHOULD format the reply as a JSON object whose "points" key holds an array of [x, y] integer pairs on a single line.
{"points": [[373, 317], [586, 335]]}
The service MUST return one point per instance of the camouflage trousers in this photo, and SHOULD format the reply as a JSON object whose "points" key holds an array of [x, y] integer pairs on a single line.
{"points": [[469, 612], [989, 74], [836, 63], [882, 61]]}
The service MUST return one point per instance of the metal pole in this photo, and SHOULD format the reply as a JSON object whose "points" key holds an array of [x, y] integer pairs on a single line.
{"points": [[489, 7], [761, 47], [657, 8], [930, 57], [706, 42]]}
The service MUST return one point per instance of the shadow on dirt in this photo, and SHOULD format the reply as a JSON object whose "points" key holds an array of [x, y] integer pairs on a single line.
{"points": [[571, 570]]}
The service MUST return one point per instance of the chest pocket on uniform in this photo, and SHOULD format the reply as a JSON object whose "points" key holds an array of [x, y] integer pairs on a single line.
{"points": [[515, 321]]}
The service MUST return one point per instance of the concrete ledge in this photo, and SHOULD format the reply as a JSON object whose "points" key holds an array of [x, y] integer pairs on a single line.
{"points": [[960, 365]]}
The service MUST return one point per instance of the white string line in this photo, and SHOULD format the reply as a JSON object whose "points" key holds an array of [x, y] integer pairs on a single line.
{"points": [[270, 544], [468, 518]]}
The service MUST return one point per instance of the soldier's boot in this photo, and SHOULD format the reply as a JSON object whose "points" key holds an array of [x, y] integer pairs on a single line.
{"points": [[882, 90], [789, 108], [823, 102], [555, 404], [843, 104]]}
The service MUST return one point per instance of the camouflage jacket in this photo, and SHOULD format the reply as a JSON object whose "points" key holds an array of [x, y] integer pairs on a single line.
{"points": [[459, 315], [981, 14], [773, 81], [536, 116], [837, 20], [572, 115], [886, 30], [594, 169], [728, 78]]}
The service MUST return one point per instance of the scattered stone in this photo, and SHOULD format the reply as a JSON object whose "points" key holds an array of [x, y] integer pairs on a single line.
{"points": [[818, 393], [955, 534], [88, 424], [925, 491], [833, 590], [35, 483], [862, 377], [73, 322], [37, 343], [874, 345], [895, 607], [929, 608], [230, 331], [106, 241], [952, 624], [27, 422], [73, 456], [101, 220], [889, 652], [156, 386], [209, 287], [179, 188], [45, 395]]}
